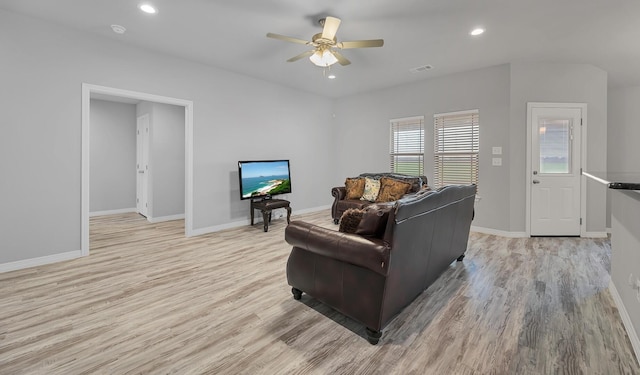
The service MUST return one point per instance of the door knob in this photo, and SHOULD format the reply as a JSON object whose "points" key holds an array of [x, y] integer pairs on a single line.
{"points": [[536, 181]]}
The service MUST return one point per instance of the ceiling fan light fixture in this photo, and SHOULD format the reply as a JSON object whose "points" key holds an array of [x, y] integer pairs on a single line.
{"points": [[323, 58]]}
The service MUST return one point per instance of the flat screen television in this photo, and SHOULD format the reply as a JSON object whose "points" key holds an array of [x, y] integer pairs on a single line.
{"points": [[264, 178]]}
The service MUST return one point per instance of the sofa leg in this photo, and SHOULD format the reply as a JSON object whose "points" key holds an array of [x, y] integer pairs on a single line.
{"points": [[336, 221], [373, 336], [297, 293], [460, 258]]}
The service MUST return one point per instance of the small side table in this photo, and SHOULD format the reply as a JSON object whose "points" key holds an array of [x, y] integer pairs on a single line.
{"points": [[266, 206]]}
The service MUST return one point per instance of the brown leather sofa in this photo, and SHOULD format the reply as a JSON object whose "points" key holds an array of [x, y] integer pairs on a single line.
{"points": [[371, 278], [341, 204]]}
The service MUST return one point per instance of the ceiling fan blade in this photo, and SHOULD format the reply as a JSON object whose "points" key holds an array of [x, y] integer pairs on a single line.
{"points": [[287, 38], [301, 56], [331, 25], [361, 44], [341, 59]]}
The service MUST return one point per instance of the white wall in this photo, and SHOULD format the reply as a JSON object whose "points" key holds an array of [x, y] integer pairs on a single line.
{"points": [[363, 127], [562, 83], [623, 133], [500, 94], [622, 156], [113, 156], [235, 118], [624, 130]]}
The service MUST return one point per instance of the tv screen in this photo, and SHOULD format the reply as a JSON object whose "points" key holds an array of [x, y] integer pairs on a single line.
{"points": [[264, 178]]}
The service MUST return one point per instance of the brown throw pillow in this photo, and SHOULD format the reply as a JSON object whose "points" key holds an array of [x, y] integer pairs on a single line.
{"points": [[350, 220], [392, 189], [374, 220], [354, 187]]}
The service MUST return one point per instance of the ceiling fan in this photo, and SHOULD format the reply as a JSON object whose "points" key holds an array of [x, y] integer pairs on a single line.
{"points": [[325, 44]]}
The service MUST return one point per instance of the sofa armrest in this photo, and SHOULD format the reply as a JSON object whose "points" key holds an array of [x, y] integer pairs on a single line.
{"points": [[370, 253], [339, 193]]}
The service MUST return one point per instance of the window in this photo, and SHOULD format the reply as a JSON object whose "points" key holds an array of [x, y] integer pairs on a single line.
{"points": [[456, 146], [406, 150]]}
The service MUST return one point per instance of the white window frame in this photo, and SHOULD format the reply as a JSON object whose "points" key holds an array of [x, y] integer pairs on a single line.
{"points": [[411, 146], [456, 149]]}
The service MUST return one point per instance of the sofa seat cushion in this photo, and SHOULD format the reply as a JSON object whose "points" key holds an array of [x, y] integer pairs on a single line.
{"points": [[368, 252], [346, 204]]}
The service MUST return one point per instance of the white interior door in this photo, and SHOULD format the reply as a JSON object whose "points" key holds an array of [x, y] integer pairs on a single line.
{"points": [[142, 165], [555, 144]]}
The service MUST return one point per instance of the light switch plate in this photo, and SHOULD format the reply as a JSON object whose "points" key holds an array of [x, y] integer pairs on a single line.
{"points": [[497, 150], [496, 162]]}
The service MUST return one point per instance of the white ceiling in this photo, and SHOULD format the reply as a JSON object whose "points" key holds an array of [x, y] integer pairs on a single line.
{"points": [[230, 34]]}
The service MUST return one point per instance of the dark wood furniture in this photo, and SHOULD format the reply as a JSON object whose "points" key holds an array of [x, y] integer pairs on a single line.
{"points": [[266, 206]]}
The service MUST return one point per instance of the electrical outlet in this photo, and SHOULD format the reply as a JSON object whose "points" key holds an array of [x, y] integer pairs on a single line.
{"points": [[630, 280]]}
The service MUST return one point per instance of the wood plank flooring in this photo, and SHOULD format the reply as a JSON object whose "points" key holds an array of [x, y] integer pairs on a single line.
{"points": [[149, 301]]}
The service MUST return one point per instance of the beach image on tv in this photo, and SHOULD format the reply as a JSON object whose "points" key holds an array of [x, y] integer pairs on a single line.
{"points": [[265, 178]]}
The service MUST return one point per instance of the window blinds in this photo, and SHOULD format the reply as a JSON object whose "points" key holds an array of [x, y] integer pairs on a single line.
{"points": [[406, 150], [456, 147]]}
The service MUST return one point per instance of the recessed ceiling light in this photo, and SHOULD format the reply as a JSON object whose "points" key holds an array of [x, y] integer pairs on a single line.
{"points": [[118, 29], [148, 8], [476, 31], [331, 76]]}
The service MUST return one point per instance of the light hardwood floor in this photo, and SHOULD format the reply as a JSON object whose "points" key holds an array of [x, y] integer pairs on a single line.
{"points": [[148, 300]]}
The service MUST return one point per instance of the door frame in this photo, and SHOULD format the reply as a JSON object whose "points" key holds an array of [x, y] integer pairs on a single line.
{"points": [[583, 160], [87, 91]]}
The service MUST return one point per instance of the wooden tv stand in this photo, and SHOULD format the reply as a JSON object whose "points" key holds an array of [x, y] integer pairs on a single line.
{"points": [[266, 206]]}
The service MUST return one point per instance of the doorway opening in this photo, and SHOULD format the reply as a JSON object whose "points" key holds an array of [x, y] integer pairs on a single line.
{"points": [[90, 91]]}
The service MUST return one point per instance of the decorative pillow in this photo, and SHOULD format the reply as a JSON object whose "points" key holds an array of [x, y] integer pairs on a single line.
{"points": [[374, 220], [392, 189], [350, 220], [354, 187], [371, 189]]}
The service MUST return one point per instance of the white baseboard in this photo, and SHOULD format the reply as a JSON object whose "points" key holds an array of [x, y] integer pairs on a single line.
{"points": [[246, 222], [40, 261], [310, 210], [497, 232], [112, 212], [503, 233], [626, 320], [165, 218], [595, 235], [218, 228]]}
